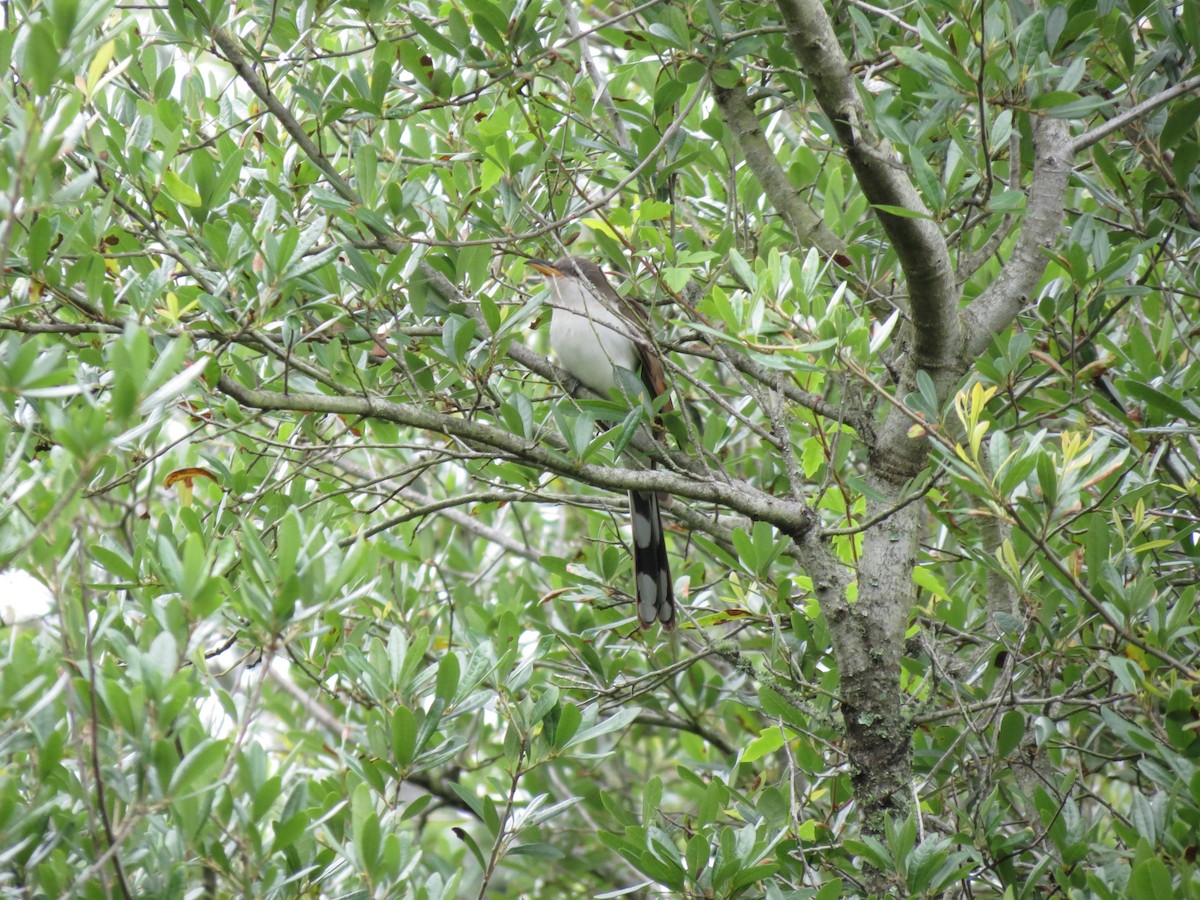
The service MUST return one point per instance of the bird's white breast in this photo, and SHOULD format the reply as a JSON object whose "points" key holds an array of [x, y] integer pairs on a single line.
{"points": [[587, 337]]}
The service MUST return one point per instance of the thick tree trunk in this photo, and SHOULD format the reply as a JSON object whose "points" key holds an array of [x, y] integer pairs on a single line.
{"points": [[868, 639]]}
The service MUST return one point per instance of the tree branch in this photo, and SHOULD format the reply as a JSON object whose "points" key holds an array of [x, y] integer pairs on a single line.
{"points": [[919, 243], [806, 225], [994, 310], [791, 517], [1120, 120]]}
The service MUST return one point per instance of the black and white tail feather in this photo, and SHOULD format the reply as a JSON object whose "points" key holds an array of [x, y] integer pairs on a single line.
{"points": [[652, 569]]}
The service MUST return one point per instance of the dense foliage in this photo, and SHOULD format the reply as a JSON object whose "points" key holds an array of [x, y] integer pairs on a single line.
{"points": [[339, 588]]}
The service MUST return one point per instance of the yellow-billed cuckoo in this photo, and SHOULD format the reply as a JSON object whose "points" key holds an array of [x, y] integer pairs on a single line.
{"points": [[593, 330]]}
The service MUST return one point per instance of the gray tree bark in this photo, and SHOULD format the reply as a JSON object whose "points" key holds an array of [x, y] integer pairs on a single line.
{"points": [[868, 634]]}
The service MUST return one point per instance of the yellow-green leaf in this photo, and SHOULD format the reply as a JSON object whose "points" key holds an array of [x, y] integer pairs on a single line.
{"points": [[767, 742], [180, 190], [98, 64]]}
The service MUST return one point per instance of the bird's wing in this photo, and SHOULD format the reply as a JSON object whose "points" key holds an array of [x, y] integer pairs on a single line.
{"points": [[638, 322], [652, 374]]}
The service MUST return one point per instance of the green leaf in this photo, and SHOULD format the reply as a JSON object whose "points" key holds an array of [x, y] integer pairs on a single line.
{"points": [[429, 725], [775, 704], [651, 210], [517, 412], [489, 21], [1156, 399], [747, 550], [98, 64], [1047, 475], [546, 702], [1069, 105], [196, 769], [465, 837], [901, 211], [491, 312], [404, 735], [742, 270], [667, 873], [468, 797], [696, 854], [870, 849], [568, 725], [457, 334], [754, 874], [613, 723], [448, 678], [715, 797], [290, 830], [179, 190], [1151, 878], [1031, 40], [538, 851], [41, 56], [768, 742], [651, 799], [1180, 124], [366, 833], [926, 579], [1012, 730], [1127, 672], [114, 561], [676, 279], [928, 391], [162, 658]]}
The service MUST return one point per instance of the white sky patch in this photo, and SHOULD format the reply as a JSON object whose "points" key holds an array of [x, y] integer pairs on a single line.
{"points": [[22, 597], [213, 717]]}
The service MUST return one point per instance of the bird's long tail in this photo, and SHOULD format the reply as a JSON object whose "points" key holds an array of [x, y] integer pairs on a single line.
{"points": [[655, 593]]}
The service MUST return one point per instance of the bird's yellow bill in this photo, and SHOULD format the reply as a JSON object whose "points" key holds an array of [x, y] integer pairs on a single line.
{"points": [[540, 265]]}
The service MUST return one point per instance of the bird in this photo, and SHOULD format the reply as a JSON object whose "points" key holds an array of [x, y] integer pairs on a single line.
{"points": [[594, 331]]}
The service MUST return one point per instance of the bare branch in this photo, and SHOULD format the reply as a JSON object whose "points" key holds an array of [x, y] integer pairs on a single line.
{"points": [[792, 518], [919, 243], [1119, 121], [806, 225], [995, 309]]}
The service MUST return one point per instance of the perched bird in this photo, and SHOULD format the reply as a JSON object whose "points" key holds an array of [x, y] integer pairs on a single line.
{"points": [[593, 331]]}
